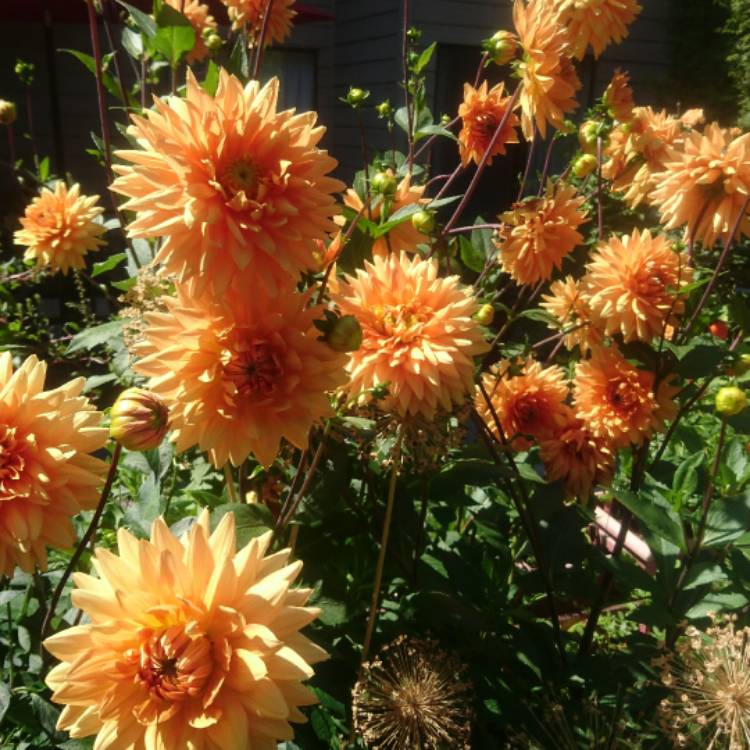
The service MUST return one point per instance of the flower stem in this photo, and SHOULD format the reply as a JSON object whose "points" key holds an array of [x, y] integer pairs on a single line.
{"points": [[103, 119], [407, 98], [529, 159], [262, 40], [231, 490], [85, 539], [599, 199]]}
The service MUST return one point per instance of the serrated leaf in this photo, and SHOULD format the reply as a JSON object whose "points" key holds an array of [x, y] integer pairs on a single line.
{"points": [[473, 258], [175, 35], [250, 520], [657, 516], [142, 20], [424, 58], [107, 80], [107, 265], [95, 336], [728, 519]]}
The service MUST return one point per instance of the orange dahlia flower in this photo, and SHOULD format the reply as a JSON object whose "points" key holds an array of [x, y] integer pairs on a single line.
{"points": [[403, 236], [632, 285], [190, 644], [529, 401], [548, 78], [578, 458], [59, 228], [567, 304], [616, 401], [618, 97], [418, 334], [46, 473], [705, 184], [539, 232], [236, 190], [201, 20], [250, 13], [239, 372], [596, 22], [481, 112]]}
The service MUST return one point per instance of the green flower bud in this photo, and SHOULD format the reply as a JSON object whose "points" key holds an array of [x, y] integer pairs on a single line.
{"points": [[356, 96], [588, 134], [423, 221], [742, 365], [345, 335], [139, 419], [501, 47], [384, 183], [413, 34], [485, 314], [384, 110], [7, 112], [585, 165], [730, 400], [213, 41]]}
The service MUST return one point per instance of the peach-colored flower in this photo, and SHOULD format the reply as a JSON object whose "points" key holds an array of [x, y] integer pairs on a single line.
{"points": [[618, 97], [250, 13], [481, 112], [59, 228], [632, 285], [578, 458], [616, 401], [236, 190], [201, 21], [189, 644], [239, 372], [567, 303], [403, 236], [539, 232], [47, 474], [597, 23], [528, 400], [418, 334], [548, 78], [705, 184]]}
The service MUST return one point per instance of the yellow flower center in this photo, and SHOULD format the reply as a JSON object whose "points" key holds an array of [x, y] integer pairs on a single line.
{"points": [[255, 370], [241, 177], [486, 125], [400, 320], [12, 460], [623, 396]]}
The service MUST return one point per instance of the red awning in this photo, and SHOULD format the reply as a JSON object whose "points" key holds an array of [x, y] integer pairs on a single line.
{"points": [[74, 11]]}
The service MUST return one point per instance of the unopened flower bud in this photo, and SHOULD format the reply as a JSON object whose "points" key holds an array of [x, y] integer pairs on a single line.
{"points": [[345, 334], [356, 96], [213, 41], [423, 221], [445, 119], [501, 47], [585, 165], [384, 109], [485, 314], [587, 136], [25, 72], [730, 400], [7, 112], [413, 34], [384, 183], [139, 419], [742, 365]]}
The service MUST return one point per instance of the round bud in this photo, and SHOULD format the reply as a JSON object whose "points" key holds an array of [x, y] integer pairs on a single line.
{"points": [[485, 314], [384, 183], [413, 34], [445, 119], [585, 165], [730, 400], [719, 329], [139, 419], [345, 335], [7, 112], [356, 96], [502, 47], [423, 221], [384, 109], [213, 41], [742, 365], [587, 136]]}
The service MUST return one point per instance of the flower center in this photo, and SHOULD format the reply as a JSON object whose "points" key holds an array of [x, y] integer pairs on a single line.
{"points": [[255, 370], [398, 320], [486, 125], [623, 397], [12, 460], [240, 177], [526, 412]]}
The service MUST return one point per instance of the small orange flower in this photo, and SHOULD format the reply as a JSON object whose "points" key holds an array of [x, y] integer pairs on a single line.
{"points": [[531, 403], [419, 335], [577, 458], [47, 474], [596, 22], [239, 372], [632, 285], [482, 112], [567, 303], [249, 13], [187, 644], [201, 20], [59, 228], [618, 97], [616, 401], [403, 236], [548, 78], [705, 184], [236, 190], [538, 233]]}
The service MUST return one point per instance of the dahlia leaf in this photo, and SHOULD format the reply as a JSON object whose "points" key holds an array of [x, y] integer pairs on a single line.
{"points": [[107, 265], [95, 336], [142, 20], [175, 35]]}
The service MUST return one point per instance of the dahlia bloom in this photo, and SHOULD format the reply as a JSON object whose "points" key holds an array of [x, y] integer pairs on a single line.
{"points": [[578, 458], [59, 228], [240, 372], [538, 233], [616, 401], [250, 13], [481, 112], [705, 184], [201, 20], [46, 473], [236, 190], [567, 304], [632, 285], [418, 334], [618, 97], [530, 403], [548, 78], [403, 236], [190, 644], [597, 23]]}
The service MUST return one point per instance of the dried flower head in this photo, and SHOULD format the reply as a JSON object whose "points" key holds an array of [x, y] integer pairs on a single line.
{"points": [[236, 189], [189, 644], [60, 227], [708, 679], [145, 295], [481, 113], [539, 232], [249, 13], [567, 304], [202, 22], [413, 695]]}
